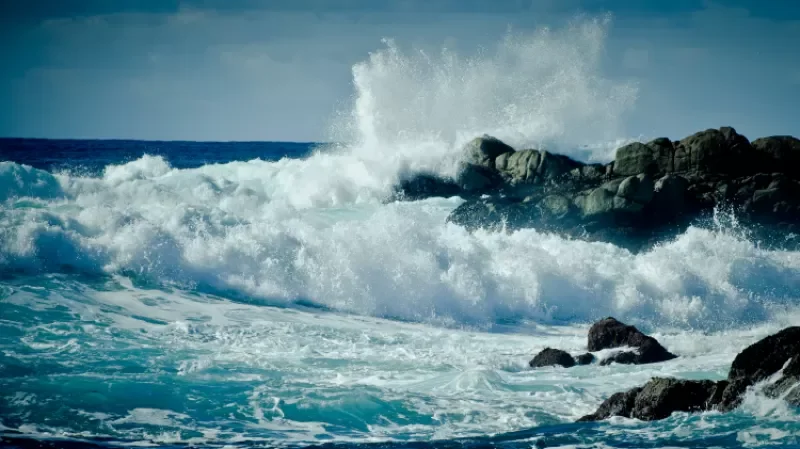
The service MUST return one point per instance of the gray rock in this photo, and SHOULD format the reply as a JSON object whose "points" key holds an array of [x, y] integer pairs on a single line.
{"points": [[552, 166], [600, 201], [482, 151], [520, 166], [552, 357], [639, 189], [585, 359], [556, 206]]}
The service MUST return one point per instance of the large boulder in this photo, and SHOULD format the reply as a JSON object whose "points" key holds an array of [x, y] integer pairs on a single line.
{"points": [[653, 158], [519, 166], [482, 151], [552, 357], [779, 154], [762, 360], [659, 398], [715, 151], [610, 333], [619, 404], [620, 197]]}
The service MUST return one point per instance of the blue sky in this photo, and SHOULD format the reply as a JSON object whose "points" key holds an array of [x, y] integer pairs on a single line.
{"points": [[278, 69]]}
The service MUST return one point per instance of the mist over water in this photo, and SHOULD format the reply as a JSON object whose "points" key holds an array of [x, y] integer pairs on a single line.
{"points": [[148, 275]]}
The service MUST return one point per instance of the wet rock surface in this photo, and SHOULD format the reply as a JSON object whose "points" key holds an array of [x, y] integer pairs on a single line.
{"points": [[552, 357], [650, 192], [775, 356]]}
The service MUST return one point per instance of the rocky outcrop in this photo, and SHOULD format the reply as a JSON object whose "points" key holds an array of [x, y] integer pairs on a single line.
{"points": [[762, 360], [777, 355], [610, 333], [658, 399], [552, 357], [651, 191]]}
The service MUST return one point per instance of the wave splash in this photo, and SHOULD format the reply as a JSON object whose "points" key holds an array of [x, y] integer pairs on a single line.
{"points": [[315, 230], [546, 89]]}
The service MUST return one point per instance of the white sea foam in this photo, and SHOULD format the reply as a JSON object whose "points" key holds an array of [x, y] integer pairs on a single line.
{"points": [[235, 228]]}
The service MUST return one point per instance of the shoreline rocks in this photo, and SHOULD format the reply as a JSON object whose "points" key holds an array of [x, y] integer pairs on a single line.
{"points": [[552, 357], [776, 355], [651, 191], [608, 333]]}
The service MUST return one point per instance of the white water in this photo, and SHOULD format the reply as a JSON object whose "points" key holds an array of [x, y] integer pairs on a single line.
{"points": [[232, 228]]}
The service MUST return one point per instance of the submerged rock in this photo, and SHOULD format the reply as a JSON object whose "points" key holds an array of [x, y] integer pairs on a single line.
{"points": [[552, 357]]}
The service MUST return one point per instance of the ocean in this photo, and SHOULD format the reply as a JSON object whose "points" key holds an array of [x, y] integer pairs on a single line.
{"points": [[231, 295]]}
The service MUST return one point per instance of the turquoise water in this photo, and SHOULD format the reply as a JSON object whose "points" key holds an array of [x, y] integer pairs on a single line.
{"points": [[280, 301]]}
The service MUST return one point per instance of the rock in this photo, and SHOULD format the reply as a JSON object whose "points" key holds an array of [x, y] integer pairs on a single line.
{"points": [[762, 360], [619, 404], [552, 357], [779, 154], [652, 191], [669, 196], [552, 166], [777, 354], [627, 196], [556, 206], [663, 396], [658, 399], [788, 386], [638, 189], [426, 186], [610, 333], [482, 151], [584, 359], [474, 178], [716, 151], [600, 201], [654, 158], [519, 167], [765, 357]]}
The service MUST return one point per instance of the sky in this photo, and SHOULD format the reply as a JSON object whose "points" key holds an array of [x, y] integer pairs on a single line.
{"points": [[280, 69]]}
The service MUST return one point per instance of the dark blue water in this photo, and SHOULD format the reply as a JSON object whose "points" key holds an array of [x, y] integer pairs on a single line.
{"points": [[92, 156]]}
